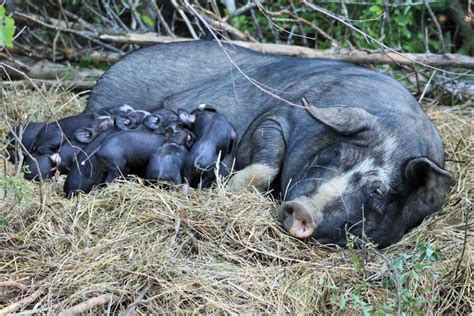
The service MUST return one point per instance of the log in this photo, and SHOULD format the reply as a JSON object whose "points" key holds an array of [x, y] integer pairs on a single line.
{"points": [[353, 56]]}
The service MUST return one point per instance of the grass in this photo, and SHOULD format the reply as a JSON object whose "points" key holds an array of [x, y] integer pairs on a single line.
{"points": [[141, 249]]}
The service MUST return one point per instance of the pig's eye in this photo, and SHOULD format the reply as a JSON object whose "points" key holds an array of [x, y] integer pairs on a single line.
{"points": [[375, 194]]}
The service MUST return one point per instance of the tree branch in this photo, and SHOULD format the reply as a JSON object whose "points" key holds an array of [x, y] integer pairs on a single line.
{"points": [[354, 56]]}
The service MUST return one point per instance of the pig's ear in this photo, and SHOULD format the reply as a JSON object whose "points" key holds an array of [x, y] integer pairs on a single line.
{"points": [[343, 119], [422, 171], [85, 134], [186, 117], [428, 184]]}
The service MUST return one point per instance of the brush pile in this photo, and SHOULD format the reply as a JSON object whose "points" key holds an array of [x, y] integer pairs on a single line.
{"points": [[132, 248]]}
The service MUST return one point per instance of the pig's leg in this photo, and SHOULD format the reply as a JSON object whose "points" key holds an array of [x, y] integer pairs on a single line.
{"points": [[262, 153]]}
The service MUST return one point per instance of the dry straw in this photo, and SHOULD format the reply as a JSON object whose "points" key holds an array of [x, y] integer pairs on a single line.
{"points": [[135, 249]]}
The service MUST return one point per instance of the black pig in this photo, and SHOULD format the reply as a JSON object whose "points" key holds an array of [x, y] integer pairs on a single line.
{"points": [[27, 134], [61, 160], [215, 137], [127, 152], [166, 163]]}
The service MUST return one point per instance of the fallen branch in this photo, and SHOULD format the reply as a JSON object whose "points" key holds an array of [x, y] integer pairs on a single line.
{"points": [[13, 284], [66, 84], [47, 70], [90, 304], [22, 303], [354, 56]]}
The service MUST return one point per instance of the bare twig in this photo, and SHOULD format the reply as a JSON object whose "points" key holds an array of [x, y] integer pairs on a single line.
{"points": [[249, 6], [330, 14], [90, 304], [133, 9], [58, 26], [257, 25], [114, 16], [320, 31], [22, 303], [232, 30], [131, 308], [438, 27], [464, 245], [185, 19], [162, 19]]}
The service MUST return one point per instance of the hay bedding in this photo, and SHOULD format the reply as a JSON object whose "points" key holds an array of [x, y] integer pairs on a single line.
{"points": [[136, 249]]}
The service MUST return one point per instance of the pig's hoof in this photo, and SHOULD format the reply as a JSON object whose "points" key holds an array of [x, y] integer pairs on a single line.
{"points": [[258, 175]]}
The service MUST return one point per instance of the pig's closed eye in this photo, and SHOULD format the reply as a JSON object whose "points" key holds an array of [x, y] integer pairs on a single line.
{"points": [[375, 197]]}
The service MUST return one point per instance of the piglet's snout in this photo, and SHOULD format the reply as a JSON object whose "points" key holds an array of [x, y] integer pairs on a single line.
{"points": [[204, 162], [296, 219], [56, 158]]}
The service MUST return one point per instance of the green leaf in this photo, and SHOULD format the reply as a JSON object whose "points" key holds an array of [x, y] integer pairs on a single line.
{"points": [[7, 29], [147, 20], [342, 303], [357, 261], [378, 10]]}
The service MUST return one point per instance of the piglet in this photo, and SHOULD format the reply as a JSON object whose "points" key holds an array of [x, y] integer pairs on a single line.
{"points": [[167, 162], [215, 138]]}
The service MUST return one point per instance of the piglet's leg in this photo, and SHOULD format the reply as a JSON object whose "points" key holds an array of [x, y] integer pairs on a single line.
{"points": [[262, 153]]}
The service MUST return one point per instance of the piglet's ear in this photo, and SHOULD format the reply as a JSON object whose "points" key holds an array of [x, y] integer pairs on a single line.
{"points": [[186, 117], [123, 121], [169, 132], [152, 121], [85, 134], [345, 120], [205, 107], [233, 142], [105, 124], [428, 185]]}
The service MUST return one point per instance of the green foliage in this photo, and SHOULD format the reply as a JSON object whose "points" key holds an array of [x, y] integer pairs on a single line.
{"points": [[400, 27], [7, 28], [86, 62], [147, 20], [18, 185], [410, 270]]}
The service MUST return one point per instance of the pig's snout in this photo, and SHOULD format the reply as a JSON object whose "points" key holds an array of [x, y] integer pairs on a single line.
{"points": [[296, 219]]}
